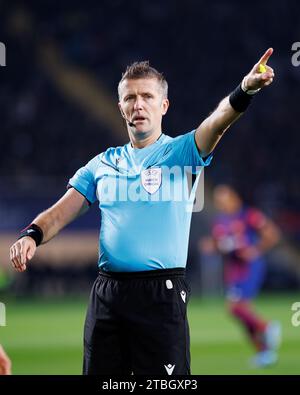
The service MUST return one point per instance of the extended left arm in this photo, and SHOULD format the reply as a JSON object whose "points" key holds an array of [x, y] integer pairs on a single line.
{"points": [[229, 110]]}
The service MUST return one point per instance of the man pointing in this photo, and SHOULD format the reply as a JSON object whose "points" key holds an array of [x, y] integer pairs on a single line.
{"points": [[136, 320]]}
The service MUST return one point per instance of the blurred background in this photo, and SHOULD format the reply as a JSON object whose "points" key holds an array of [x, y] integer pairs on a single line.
{"points": [[58, 107]]}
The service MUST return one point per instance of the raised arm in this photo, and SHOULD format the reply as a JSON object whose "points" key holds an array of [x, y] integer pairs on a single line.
{"points": [[51, 221], [231, 107]]}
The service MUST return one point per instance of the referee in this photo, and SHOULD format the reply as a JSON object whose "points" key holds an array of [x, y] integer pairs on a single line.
{"points": [[136, 320]]}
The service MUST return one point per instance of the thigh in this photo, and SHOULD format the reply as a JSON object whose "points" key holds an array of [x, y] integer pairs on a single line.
{"points": [[248, 286], [255, 279], [160, 339], [105, 338]]}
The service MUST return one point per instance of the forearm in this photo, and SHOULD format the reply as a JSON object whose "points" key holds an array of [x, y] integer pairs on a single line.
{"points": [[213, 127], [50, 222], [231, 107], [269, 237], [55, 218], [45, 226]]}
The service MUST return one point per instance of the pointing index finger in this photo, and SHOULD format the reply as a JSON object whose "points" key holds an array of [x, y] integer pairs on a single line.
{"points": [[263, 60]]}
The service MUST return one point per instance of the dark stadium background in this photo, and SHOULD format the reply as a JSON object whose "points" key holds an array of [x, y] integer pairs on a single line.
{"points": [[58, 109]]}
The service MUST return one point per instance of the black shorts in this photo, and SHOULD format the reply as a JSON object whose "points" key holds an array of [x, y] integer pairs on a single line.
{"points": [[136, 323]]}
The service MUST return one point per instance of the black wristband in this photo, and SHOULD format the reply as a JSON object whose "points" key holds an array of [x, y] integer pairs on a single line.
{"points": [[239, 99], [33, 231]]}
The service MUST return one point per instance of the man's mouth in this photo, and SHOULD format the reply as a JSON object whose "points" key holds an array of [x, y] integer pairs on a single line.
{"points": [[138, 119]]}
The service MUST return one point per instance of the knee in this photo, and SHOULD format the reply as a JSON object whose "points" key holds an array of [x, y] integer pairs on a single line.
{"points": [[234, 308]]}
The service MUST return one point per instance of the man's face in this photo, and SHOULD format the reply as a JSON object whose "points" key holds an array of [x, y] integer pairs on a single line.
{"points": [[226, 199], [142, 102]]}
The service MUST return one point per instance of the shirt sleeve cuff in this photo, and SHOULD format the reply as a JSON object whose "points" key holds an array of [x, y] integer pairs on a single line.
{"points": [[81, 192], [203, 161]]}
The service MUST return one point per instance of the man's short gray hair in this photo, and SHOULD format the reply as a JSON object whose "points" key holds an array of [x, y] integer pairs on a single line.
{"points": [[143, 69]]}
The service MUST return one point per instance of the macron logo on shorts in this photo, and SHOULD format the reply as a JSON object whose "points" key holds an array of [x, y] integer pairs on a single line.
{"points": [[169, 368], [183, 295]]}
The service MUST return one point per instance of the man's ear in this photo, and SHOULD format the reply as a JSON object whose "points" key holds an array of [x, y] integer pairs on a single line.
{"points": [[165, 106]]}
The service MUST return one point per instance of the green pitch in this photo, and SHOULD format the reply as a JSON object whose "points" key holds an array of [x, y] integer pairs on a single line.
{"points": [[45, 337]]}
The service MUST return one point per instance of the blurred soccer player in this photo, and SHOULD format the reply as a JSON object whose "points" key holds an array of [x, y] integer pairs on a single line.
{"points": [[5, 364], [136, 320], [243, 235]]}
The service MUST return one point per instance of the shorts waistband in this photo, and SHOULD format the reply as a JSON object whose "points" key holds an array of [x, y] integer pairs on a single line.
{"points": [[169, 273]]}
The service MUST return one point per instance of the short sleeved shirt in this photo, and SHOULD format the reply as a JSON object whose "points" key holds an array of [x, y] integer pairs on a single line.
{"points": [[145, 196]]}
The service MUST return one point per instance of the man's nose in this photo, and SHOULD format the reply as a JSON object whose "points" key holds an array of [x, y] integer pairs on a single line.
{"points": [[138, 104]]}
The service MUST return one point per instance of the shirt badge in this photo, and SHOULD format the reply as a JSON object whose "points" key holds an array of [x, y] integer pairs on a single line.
{"points": [[151, 180]]}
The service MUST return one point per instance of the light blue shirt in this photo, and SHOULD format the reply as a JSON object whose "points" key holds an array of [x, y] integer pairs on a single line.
{"points": [[145, 197]]}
